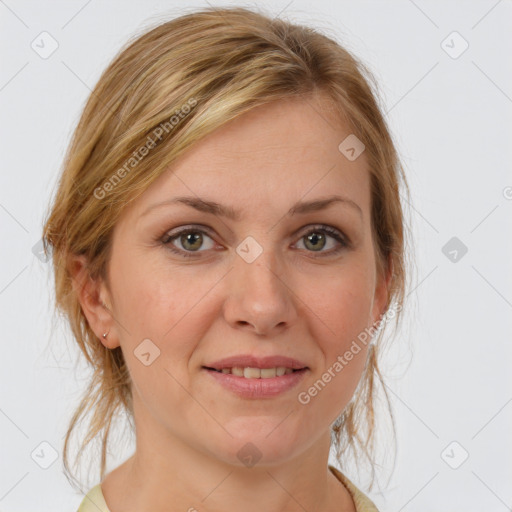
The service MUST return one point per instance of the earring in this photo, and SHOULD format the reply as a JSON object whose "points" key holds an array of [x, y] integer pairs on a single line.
{"points": [[105, 334]]}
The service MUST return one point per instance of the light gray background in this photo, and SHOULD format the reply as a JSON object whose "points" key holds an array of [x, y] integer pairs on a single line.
{"points": [[448, 372]]}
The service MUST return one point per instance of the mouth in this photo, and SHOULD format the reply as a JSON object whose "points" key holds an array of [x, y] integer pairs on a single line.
{"points": [[252, 377], [249, 372]]}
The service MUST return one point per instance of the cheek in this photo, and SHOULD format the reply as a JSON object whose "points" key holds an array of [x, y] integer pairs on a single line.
{"points": [[162, 308], [339, 320], [166, 307], [339, 305]]}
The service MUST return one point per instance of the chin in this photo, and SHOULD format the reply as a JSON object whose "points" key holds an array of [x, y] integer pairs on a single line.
{"points": [[257, 441]]}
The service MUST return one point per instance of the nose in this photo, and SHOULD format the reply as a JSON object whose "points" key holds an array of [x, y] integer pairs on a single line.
{"points": [[258, 298]]}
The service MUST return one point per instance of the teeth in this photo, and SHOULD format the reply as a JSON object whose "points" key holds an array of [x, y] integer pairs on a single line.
{"points": [[258, 373], [252, 373], [267, 372]]}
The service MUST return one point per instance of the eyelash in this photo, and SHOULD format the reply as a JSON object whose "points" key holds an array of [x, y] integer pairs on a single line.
{"points": [[168, 238]]}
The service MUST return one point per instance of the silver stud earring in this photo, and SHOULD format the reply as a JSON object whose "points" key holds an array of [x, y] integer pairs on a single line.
{"points": [[105, 334]]}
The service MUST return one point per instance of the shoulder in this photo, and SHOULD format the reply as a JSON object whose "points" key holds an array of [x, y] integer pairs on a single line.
{"points": [[94, 501], [361, 501]]}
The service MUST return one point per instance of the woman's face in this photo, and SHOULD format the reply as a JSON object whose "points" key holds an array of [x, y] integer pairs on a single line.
{"points": [[266, 282]]}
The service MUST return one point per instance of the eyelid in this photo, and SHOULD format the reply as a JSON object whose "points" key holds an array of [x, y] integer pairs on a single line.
{"points": [[168, 234], [343, 240]]}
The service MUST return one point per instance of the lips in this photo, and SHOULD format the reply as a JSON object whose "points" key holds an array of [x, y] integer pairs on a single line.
{"points": [[250, 365], [252, 377]]}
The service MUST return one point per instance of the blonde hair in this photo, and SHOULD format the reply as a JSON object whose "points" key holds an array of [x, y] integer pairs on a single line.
{"points": [[220, 63]]}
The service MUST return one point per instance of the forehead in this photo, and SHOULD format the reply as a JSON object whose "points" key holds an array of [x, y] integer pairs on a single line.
{"points": [[267, 159]]}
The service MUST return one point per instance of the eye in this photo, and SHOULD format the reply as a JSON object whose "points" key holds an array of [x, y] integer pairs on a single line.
{"points": [[316, 239], [190, 240]]}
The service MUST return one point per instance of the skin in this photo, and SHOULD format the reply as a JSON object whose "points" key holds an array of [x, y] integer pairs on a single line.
{"points": [[292, 301]]}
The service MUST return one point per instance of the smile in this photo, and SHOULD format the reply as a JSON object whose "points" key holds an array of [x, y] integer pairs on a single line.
{"points": [[256, 383], [256, 373]]}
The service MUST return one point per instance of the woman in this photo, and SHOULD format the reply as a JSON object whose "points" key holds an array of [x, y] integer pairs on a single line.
{"points": [[228, 239]]}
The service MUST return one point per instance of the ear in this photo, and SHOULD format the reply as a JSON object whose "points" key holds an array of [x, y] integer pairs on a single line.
{"points": [[94, 299], [382, 292]]}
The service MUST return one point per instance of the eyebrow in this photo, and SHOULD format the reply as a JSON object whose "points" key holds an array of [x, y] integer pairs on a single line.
{"points": [[211, 207]]}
